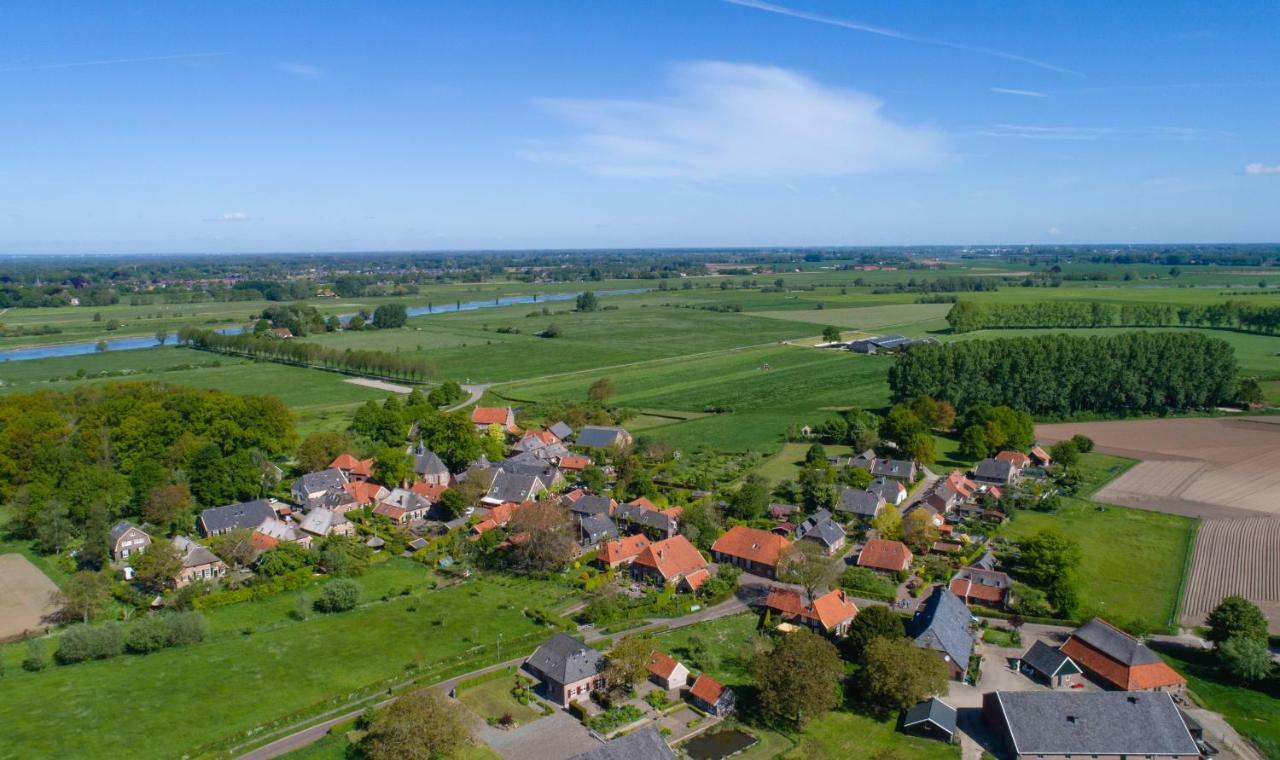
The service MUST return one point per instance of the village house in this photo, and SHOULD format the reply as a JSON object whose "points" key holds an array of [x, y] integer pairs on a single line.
{"points": [[1040, 457], [896, 469], [198, 563], [885, 555], [975, 585], [1049, 666], [354, 469], [429, 468], [127, 540], [623, 551], [1066, 725], [941, 624], [567, 669], [573, 463], [310, 489], [497, 517], [823, 531], [602, 437], [647, 519], [754, 550], [994, 472], [932, 719], [892, 491], [215, 521], [1016, 459], [671, 561], [832, 613], [403, 506], [1116, 660], [560, 430], [860, 503], [589, 504], [667, 672], [595, 529], [325, 522], [363, 492], [286, 531], [513, 487], [710, 696], [484, 416], [429, 492]]}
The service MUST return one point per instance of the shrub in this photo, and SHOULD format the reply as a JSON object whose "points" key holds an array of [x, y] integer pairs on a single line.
{"points": [[185, 628], [150, 634], [89, 642], [33, 661], [338, 596]]}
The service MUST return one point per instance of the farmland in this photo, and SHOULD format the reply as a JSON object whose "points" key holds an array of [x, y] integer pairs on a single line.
{"points": [[24, 597], [1235, 556]]}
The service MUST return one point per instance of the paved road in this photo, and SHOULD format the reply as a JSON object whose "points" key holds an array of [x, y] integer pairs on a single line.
{"points": [[476, 390], [314, 733]]}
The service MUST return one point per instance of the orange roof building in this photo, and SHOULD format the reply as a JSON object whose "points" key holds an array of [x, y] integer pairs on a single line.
{"points": [[1118, 660], [356, 469], [1015, 458], [622, 551], [709, 695], [429, 492], [882, 554], [484, 416], [832, 612], [1040, 456], [574, 462], [366, 491], [667, 672], [754, 550], [668, 561]]}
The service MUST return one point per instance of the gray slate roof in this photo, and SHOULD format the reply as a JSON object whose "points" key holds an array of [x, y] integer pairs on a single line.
{"points": [[591, 504], [119, 529], [888, 489], [565, 660], [427, 463], [1095, 723], [861, 503], [932, 710], [599, 437], [1115, 643], [514, 487], [560, 430], [821, 528], [994, 469], [1045, 659], [893, 468], [246, 514], [319, 521], [942, 624], [644, 744], [649, 518], [193, 554], [597, 528], [323, 480]]}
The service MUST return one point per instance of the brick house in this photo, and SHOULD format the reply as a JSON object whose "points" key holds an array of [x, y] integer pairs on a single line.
{"points": [[754, 550]]}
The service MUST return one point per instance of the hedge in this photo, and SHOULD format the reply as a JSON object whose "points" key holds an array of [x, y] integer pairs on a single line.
{"points": [[288, 582]]}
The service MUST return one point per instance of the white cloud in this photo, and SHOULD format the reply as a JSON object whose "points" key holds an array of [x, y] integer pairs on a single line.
{"points": [[300, 69], [1258, 169], [1023, 93], [740, 121], [1054, 231], [234, 216], [1091, 133]]}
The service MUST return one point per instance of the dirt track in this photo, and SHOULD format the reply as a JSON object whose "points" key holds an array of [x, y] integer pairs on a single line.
{"points": [[1203, 467], [24, 597]]}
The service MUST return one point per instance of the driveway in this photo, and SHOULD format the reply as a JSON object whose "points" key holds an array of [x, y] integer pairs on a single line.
{"points": [[557, 735]]}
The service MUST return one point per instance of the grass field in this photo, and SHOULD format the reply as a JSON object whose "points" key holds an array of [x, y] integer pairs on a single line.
{"points": [[837, 734], [1254, 712], [492, 700], [237, 680]]}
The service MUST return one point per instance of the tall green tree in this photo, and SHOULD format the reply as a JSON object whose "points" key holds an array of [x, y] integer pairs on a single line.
{"points": [[1236, 617], [422, 725], [897, 674], [799, 678]]}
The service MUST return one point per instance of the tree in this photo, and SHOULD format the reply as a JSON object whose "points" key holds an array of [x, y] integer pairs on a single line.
{"points": [[343, 556], [283, 558], [587, 301], [888, 524], [830, 334], [1048, 555], [751, 500], [453, 502], [897, 674], [601, 390], [799, 677], [158, 565], [393, 467], [421, 725], [83, 596], [317, 450], [552, 330], [54, 528], [389, 315], [1084, 444], [235, 547], [1236, 617], [95, 552], [1065, 453], [628, 661], [1246, 658], [918, 531], [166, 503], [922, 448], [541, 536], [817, 488], [452, 436], [338, 596], [901, 424], [815, 456], [873, 622], [806, 564], [973, 442], [379, 422], [162, 335]]}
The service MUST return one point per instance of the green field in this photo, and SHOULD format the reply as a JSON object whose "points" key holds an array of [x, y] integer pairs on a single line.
{"points": [[1251, 711], [258, 664], [492, 700]]}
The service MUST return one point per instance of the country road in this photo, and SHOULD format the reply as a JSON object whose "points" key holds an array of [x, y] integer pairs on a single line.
{"points": [[476, 390]]}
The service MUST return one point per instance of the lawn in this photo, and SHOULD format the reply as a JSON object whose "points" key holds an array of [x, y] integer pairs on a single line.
{"points": [[837, 734], [1133, 559], [1255, 713], [235, 682], [492, 699], [787, 463]]}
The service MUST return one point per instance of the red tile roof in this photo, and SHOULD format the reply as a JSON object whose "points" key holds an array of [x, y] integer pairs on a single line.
{"points": [[881, 554], [365, 491], [1136, 677], [430, 493], [695, 579], [759, 546], [661, 665], [495, 415], [830, 609], [261, 541], [961, 484], [354, 466], [623, 549], [643, 502], [671, 558], [967, 589], [1041, 455], [573, 462], [707, 689], [1015, 458]]}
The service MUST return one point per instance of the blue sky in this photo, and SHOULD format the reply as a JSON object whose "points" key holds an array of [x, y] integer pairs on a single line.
{"points": [[229, 126]]}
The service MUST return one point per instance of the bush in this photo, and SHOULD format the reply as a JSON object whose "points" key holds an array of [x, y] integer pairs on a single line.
{"points": [[88, 642], [150, 634], [338, 596], [185, 628], [33, 661]]}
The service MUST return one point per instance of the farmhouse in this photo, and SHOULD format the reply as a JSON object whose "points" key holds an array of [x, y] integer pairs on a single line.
{"points": [[403, 506], [823, 531], [892, 491], [975, 585], [1050, 667], [1017, 459], [352, 468], [484, 416], [993, 472], [326, 522], [198, 563], [310, 489], [711, 696], [862, 504], [601, 437], [1116, 660], [886, 556], [594, 529], [942, 625], [754, 550], [215, 521], [1088, 724], [666, 672], [646, 518], [515, 488], [831, 613], [669, 561], [623, 551], [932, 719], [567, 668], [127, 540], [880, 345]]}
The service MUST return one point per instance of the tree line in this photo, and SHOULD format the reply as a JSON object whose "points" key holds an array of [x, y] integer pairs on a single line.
{"points": [[1059, 375], [967, 316], [377, 363]]}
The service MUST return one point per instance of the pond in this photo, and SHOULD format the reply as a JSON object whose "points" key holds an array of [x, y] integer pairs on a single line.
{"points": [[715, 745]]}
